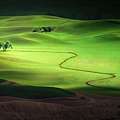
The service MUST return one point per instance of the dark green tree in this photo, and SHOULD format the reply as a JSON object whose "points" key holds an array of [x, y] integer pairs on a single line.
{"points": [[7, 45]]}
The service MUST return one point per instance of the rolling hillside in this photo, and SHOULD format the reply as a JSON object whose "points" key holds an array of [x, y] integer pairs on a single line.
{"points": [[59, 68], [77, 55]]}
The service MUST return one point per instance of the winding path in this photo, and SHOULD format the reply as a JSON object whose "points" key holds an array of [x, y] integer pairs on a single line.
{"points": [[89, 83]]}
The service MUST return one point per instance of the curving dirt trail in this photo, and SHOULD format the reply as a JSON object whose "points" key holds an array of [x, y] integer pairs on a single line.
{"points": [[83, 106], [89, 83], [61, 65]]}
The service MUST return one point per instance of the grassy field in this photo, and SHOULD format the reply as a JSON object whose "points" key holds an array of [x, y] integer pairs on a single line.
{"points": [[35, 58]]}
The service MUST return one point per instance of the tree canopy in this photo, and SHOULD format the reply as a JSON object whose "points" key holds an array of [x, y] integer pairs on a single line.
{"points": [[6, 45]]}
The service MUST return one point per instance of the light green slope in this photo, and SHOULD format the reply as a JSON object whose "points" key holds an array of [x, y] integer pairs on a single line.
{"points": [[36, 56]]}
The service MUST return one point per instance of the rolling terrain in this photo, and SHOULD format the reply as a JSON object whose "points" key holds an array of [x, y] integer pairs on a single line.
{"points": [[78, 56]]}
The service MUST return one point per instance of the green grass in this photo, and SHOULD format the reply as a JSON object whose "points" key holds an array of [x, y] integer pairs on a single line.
{"points": [[33, 92], [36, 56]]}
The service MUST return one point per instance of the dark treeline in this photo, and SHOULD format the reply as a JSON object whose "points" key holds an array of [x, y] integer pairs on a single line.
{"points": [[75, 9]]}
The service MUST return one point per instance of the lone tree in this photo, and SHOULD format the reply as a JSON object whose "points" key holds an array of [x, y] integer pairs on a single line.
{"points": [[5, 45]]}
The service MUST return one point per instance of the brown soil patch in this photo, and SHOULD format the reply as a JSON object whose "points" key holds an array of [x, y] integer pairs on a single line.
{"points": [[10, 83], [84, 106]]}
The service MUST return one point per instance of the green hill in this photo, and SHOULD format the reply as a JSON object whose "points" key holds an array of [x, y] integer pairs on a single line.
{"points": [[86, 49]]}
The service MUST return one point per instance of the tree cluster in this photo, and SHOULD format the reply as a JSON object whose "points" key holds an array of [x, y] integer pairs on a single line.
{"points": [[6, 45], [43, 29]]}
